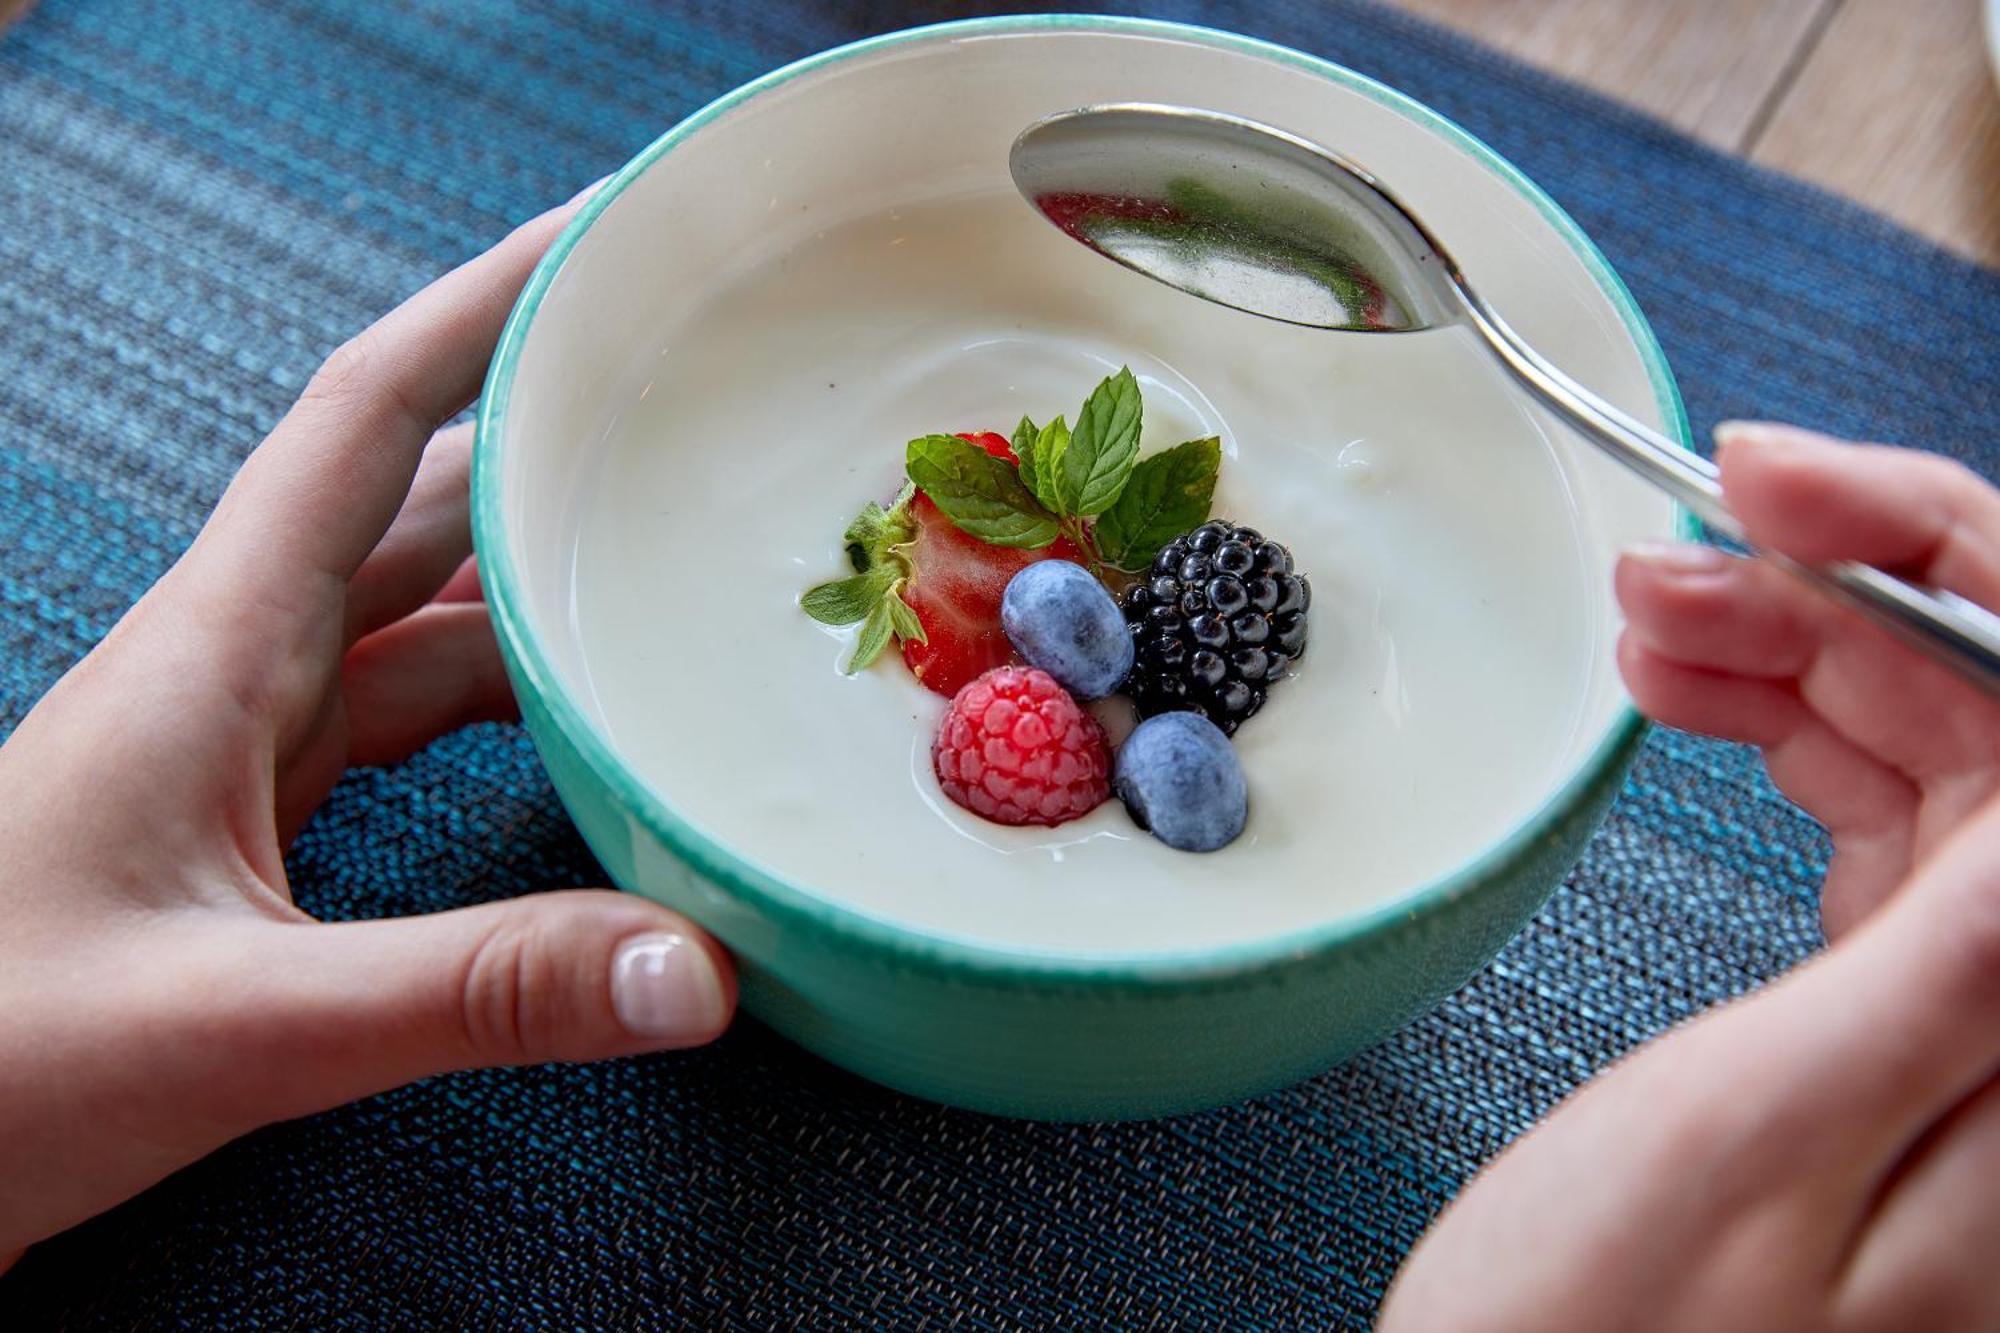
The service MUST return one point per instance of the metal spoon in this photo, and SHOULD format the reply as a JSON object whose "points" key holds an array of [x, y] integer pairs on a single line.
{"points": [[1261, 220]]}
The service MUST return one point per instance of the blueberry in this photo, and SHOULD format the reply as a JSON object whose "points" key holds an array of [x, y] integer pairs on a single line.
{"points": [[1179, 779], [1063, 621]]}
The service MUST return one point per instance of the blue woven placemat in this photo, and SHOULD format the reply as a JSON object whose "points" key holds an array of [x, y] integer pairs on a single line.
{"points": [[198, 200]]}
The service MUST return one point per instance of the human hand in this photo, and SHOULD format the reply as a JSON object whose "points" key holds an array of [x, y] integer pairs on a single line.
{"points": [[1890, 751], [1821, 1155], [162, 994]]}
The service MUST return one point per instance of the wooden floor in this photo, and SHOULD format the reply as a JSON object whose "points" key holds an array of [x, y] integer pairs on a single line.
{"points": [[1890, 102]]}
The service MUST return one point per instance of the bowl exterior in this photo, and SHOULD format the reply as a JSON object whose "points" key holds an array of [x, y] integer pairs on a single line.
{"points": [[1073, 1047], [1028, 1036]]}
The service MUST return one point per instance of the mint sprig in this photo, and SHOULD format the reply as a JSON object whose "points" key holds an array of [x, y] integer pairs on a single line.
{"points": [[1168, 494], [1088, 484], [1103, 449], [1064, 478], [1050, 451], [1024, 454], [979, 493]]}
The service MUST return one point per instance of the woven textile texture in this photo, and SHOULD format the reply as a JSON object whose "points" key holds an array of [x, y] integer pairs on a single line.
{"points": [[198, 200]]}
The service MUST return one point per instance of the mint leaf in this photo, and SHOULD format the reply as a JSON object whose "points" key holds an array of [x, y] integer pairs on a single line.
{"points": [[844, 601], [1051, 447], [1103, 448], [1024, 454], [1168, 494], [982, 495], [874, 636]]}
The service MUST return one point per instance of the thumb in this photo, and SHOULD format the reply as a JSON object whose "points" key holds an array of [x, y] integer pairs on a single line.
{"points": [[349, 1009]]}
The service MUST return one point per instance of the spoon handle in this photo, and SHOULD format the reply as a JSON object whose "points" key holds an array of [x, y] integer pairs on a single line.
{"points": [[1939, 624]]}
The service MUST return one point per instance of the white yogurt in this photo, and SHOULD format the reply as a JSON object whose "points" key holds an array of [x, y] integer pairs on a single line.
{"points": [[1452, 628]]}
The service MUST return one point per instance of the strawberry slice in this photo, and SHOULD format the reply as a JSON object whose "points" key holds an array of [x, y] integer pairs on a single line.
{"points": [[921, 579], [955, 586]]}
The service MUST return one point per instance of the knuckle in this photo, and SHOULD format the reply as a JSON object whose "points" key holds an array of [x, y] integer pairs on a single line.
{"points": [[510, 996], [367, 375], [347, 372], [1978, 934], [1949, 474]]}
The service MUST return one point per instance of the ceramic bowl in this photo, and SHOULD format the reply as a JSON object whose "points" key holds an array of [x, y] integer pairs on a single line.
{"points": [[1001, 1030]]}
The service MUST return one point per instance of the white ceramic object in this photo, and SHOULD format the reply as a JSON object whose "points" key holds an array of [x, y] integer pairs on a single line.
{"points": [[974, 998]]}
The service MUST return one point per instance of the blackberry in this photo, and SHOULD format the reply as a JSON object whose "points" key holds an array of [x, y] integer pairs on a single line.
{"points": [[1218, 621]]}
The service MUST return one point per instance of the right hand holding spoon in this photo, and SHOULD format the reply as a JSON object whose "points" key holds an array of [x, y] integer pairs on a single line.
{"points": [[1820, 1155]]}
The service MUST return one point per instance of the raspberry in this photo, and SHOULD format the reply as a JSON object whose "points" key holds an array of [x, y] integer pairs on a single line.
{"points": [[1015, 748]]}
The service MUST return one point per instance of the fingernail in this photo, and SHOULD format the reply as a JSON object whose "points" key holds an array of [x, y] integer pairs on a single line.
{"points": [[1678, 557], [664, 988], [587, 191], [1762, 435]]}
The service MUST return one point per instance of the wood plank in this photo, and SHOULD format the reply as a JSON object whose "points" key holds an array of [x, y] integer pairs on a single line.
{"points": [[1897, 108], [1705, 66]]}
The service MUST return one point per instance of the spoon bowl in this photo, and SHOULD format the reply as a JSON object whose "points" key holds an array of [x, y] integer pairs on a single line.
{"points": [[1261, 220], [1164, 191]]}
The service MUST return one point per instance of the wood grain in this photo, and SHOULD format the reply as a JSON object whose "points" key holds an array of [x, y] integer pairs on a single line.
{"points": [[1897, 108], [1705, 66]]}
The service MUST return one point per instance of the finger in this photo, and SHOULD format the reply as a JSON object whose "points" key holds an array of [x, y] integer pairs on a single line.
{"points": [[425, 675], [427, 543], [1745, 617], [1868, 807], [1713, 703], [320, 491], [1924, 1256], [1704, 608], [1885, 1034], [1758, 1134], [1818, 499], [335, 1012], [462, 586]]}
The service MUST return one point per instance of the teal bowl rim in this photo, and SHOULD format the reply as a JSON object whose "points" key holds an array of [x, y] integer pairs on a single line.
{"points": [[970, 960]]}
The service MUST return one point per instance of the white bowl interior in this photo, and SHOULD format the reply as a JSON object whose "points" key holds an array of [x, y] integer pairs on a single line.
{"points": [[933, 116]]}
